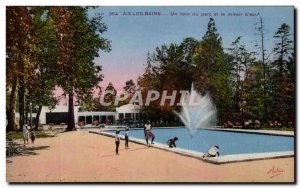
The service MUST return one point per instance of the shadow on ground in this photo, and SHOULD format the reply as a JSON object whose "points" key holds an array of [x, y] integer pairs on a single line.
{"points": [[123, 150], [14, 149]]}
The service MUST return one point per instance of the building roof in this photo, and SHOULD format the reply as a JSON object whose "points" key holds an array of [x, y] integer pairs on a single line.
{"points": [[95, 113], [129, 108]]}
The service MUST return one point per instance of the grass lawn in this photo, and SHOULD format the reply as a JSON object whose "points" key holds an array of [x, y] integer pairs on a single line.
{"points": [[18, 135]]}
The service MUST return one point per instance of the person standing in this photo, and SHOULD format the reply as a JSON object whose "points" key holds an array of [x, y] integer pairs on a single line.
{"points": [[117, 141], [25, 133], [148, 134], [126, 138]]}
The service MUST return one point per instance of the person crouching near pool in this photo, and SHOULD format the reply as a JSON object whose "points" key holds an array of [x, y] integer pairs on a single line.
{"points": [[147, 129], [126, 138], [171, 142], [212, 152], [117, 141]]}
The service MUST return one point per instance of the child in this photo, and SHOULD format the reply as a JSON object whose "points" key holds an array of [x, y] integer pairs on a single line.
{"points": [[171, 142], [117, 140], [126, 138], [32, 136], [212, 152]]}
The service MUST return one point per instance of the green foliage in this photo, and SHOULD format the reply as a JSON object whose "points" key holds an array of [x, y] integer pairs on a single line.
{"points": [[88, 103], [11, 135], [241, 79], [45, 52], [130, 87], [282, 76], [49, 47], [79, 43], [239, 84], [19, 66], [213, 69], [203, 63], [129, 90], [253, 92], [110, 97]]}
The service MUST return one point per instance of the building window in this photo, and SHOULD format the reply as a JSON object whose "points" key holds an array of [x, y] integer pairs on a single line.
{"points": [[96, 120], [89, 120], [56, 117], [103, 119], [81, 120], [127, 115], [110, 120], [121, 116]]}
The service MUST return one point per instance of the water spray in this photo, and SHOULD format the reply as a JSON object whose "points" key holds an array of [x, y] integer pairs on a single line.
{"points": [[197, 111]]}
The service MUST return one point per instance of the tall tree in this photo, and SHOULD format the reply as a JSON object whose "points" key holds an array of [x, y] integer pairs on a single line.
{"points": [[260, 28], [252, 100], [240, 60], [79, 43], [18, 27], [213, 69], [283, 47], [43, 81], [282, 77]]}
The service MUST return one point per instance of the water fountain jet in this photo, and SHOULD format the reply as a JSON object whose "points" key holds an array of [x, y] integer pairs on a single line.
{"points": [[199, 112]]}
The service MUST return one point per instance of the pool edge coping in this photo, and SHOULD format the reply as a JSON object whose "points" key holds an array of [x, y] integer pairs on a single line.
{"points": [[253, 131], [246, 131], [225, 159]]}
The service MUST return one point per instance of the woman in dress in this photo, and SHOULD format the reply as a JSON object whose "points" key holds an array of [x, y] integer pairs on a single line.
{"points": [[25, 133]]}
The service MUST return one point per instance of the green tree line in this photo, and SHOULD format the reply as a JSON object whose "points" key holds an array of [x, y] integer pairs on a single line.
{"points": [[48, 47], [243, 84]]}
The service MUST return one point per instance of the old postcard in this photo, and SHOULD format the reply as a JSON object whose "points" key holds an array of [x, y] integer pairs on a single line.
{"points": [[150, 94]]}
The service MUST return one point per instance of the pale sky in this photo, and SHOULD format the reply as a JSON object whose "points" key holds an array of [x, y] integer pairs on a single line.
{"points": [[133, 36]]}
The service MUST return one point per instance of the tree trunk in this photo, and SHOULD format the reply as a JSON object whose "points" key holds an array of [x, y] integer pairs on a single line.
{"points": [[27, 104], [71, 122], [37, 119], [12, 107], [21, 94], [264, 71]]}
